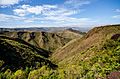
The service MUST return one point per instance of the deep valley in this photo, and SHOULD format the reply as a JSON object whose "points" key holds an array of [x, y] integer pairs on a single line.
{"points": [[61, 54]]}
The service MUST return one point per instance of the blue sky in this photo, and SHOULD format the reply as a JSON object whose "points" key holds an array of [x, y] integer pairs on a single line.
{"points": [[58, 13]]}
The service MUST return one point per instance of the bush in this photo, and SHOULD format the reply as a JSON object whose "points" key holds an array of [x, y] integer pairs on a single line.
{"points": [[19, 74]]}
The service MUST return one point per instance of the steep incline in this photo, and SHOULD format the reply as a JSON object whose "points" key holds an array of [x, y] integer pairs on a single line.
{"points": [[70, 33], [16, 54], [45, 40], [94, 38]]}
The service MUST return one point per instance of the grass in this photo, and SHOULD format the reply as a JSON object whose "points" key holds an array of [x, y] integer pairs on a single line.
{"points": [[96, 55]]}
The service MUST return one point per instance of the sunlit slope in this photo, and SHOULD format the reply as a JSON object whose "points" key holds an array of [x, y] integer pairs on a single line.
{"points": [[94, 38], [45, 40]]}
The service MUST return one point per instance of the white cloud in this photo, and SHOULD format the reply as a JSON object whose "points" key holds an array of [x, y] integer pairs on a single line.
{"points": [[60, 12], [45, 21], [9, 2], [27, 9], [12, 19], [76, 3], [48, 7], [6, 18], [117, 10], [52, 10], [116, 17], [32, 19], [20, 12], [24, 6], [35, 10], [28, 21], [49, 15], [65, 19]]}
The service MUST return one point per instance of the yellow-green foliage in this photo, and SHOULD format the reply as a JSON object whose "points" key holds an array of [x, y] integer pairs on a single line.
{"points": [[45, 40], [19, 74], [42, 73], [103, 62], [95, 37], [1, 62], [17, 54], [92, 63]]}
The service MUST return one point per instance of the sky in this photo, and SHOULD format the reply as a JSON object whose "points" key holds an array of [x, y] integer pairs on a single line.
{"points": [[58, 13]]}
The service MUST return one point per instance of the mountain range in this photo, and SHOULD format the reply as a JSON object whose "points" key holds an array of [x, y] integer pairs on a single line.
{"points": [[61, 54]]}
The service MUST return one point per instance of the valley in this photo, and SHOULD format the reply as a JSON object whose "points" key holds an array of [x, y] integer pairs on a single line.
{"points": [[61, 54]]}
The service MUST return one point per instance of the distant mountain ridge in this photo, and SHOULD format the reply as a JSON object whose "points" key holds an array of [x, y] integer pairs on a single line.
{"points": [[45, 29], [46, 40], [76, 55]]}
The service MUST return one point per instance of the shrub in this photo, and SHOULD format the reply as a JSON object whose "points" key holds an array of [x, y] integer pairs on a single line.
{"points": [[19, 74]]}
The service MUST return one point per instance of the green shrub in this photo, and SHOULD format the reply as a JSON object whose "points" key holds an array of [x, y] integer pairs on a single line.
{"points": [[19, 74]]}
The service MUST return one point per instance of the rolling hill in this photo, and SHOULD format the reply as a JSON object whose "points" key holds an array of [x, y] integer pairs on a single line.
{"points": [[93, 56], [46, 40], [16, 54], [96, 55], [94, 38]]}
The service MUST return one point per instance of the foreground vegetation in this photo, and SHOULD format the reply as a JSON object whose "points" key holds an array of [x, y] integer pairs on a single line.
{"points": [[104, 62], [21, 60]]}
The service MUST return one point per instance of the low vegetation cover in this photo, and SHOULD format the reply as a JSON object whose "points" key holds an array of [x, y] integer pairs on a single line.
{"points": [[18, 60], [100, 65], [16, 54], [46, 40]]}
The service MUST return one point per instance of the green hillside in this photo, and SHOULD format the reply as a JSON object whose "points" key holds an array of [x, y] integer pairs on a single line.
{"points": [[46, 40], [94, 56], [94, 38], [16, 54]]}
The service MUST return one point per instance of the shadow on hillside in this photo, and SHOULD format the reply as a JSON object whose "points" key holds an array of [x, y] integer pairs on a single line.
{"points": [[40, 51], [15, 58], [115, 37]]}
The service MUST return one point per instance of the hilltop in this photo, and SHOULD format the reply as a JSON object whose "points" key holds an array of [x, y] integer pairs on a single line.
{"points": [[94, 38], [95, 55]]}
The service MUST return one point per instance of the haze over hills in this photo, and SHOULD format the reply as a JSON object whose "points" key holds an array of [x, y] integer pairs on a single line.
{"points": [[47, 29], [76, 55], [59, 39]]}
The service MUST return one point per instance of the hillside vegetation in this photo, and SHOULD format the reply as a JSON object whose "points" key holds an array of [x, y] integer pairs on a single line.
{"points": [[46, 40], [94, 38], [94, 56], [70, 33], [16, 54]]}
